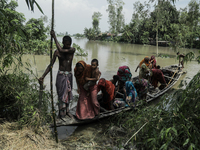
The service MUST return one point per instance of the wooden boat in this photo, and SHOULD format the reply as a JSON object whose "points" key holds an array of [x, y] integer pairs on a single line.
{"points": [[171, 73]]}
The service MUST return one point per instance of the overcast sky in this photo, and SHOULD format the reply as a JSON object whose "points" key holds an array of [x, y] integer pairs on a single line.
{"points": [[73, 16]]}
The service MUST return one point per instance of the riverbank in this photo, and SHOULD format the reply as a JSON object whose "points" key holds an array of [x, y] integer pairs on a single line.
{"points": [[98, 136], [173, 122], [12, 137]]}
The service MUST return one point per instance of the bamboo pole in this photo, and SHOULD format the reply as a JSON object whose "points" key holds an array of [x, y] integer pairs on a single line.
{"points": [[51, 75], [172, 77], [40, 96], [134, 134]]}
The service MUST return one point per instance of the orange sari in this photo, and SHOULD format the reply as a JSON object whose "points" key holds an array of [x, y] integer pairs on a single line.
{"points": [[80, 77], [143, 61], [88, 106]]}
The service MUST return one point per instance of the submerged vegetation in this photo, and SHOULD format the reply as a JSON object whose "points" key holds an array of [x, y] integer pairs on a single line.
{"points": [[79, 50]]}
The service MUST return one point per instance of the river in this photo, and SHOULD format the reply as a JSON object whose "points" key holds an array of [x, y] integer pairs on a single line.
{"points": [[111, 55]]}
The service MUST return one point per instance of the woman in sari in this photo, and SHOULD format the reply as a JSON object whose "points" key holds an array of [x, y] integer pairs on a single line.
{"points": [[157, 76], [129, 96], [124, 73], [131, 93], [152, 62], [108, 90], [145, 61], [87, 106], [142, 88]]}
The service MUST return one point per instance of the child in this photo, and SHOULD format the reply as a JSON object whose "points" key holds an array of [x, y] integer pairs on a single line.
{"points": [[181, 58], [94, 76], [115, 80]]}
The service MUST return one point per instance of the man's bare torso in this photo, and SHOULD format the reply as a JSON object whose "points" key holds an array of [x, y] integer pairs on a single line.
{"points": [[65, 60]]}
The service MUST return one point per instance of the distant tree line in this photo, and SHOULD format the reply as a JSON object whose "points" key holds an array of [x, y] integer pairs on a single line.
{"points": [[181, 28]]}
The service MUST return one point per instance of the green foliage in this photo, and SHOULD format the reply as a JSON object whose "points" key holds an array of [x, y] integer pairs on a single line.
{"points": [[37, 47], [35, 29], [19, 94], [96, 17], [78, 35], [30, 4], [95, 24], [89, 33], [79, 50], [36, 41], [19, 100], [11, 31], [163, 55], [172, 124], [115, 15]]}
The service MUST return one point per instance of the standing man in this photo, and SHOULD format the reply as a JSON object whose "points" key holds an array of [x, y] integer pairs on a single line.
{"points": [[64, 82], [181, 59]]}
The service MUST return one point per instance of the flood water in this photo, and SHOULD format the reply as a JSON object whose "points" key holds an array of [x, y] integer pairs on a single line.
{"points": [[111, 55]]}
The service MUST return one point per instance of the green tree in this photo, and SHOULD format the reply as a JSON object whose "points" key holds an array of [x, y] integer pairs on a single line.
{"points": [[36, 29], [115, 15], [96, 18], [193, 20], [97, 15], [89, 33], [11, 32], [140, 19]]}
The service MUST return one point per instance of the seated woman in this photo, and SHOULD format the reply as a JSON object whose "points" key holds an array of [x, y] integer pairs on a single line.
{"points": [[129, 96], [131, 93], [108, 90], [157, 76], [152, 62], [145, 61], [124, 73], [141, 86], [87, 106]]}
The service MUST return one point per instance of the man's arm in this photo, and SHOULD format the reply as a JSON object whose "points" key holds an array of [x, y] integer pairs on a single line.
{"points": [[136, 68], [60, 49], [47, 69]]}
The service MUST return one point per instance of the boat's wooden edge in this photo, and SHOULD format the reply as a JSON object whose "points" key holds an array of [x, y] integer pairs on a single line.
{"points": [[168, 87], [70, 122]]}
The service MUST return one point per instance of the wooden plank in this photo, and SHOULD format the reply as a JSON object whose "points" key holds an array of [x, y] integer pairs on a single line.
{"points": [[150, 95], [169, 77]]}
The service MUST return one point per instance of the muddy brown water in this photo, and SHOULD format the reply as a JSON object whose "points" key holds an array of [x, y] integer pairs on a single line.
{"points": [[110, 55]]}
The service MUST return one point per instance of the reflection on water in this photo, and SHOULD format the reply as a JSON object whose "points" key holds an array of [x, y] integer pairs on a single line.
{"points": [[111, 55]]}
